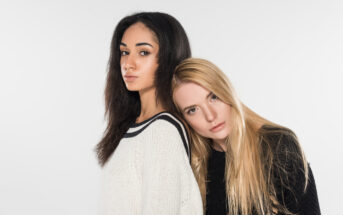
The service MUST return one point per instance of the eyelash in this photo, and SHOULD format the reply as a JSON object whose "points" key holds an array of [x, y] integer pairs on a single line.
{"points": [[142, 53], [123, 53], [191, 110], [213, 97], [145, 53]]}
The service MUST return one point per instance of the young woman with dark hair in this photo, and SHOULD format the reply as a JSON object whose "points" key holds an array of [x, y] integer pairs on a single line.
{"points": [[144, 151], [244, 164]]}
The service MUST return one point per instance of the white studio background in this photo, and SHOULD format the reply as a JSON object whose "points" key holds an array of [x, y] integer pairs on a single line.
{"points": [[285, 59]]}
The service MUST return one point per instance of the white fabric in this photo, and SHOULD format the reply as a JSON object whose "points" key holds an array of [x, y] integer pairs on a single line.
{"points": [[150, 174]]}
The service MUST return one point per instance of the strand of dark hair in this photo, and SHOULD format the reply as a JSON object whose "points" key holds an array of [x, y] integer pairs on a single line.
{"points": [[122, 107]]}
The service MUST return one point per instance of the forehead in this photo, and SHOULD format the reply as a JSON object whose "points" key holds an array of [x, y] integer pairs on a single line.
{"points": [[189, 93], [137, 33]]}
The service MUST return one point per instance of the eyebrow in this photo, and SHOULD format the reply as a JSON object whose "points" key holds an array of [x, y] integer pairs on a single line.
{"points": [[208, 95], [138, 44]]}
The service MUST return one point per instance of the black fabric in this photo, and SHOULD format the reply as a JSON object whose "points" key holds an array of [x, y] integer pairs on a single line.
{"points": [[289, 190], [216, 194]]}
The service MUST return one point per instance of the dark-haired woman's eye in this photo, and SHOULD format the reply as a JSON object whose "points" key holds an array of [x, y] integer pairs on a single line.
{"points": [[123, 53], [144, 53]]}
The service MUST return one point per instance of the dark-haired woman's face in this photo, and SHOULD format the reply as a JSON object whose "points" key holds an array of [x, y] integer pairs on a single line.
{"points": [[139, 57]]}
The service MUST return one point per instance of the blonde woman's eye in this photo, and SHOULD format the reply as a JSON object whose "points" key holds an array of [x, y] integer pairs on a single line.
{"points": [[144, 53], [214, 97], [191, 111]]}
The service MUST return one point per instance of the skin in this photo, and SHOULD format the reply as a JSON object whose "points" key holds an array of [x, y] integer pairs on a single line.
{"points": [[204, 112], [139, 62]]}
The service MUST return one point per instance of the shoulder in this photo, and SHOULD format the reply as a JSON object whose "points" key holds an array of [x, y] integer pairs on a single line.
{"points": [[171, 128], [282, 141], [283, 149], [288, 168], [162, 129], [169, 122], [161, 122]]}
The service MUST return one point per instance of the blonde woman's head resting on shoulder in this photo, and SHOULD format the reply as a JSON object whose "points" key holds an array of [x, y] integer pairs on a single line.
{"points": [[264, 163]]}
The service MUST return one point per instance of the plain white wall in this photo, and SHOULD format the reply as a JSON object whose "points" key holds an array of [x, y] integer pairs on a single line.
{"points": [[285, 59]]}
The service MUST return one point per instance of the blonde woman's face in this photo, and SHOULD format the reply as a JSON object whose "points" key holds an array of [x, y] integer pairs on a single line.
{"points": [[204, 111], [139, 57]]}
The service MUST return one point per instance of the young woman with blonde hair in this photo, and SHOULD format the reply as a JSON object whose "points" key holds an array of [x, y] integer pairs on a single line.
{"points": [[243, 163]]}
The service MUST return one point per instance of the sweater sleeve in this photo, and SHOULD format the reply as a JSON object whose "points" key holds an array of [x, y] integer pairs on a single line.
{"points": [[290, 179], [309, 204], [166, 172]]}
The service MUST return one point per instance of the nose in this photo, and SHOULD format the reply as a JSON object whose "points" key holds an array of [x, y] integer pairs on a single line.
{"points": [[129, 62], [210, 113]]}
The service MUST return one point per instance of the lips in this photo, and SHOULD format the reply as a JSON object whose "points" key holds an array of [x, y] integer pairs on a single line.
{"points": [[218, 127], [130, 78]]}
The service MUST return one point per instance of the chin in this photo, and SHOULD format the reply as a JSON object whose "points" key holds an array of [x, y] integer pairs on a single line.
{"points": [[131, 87], [220, 136]]}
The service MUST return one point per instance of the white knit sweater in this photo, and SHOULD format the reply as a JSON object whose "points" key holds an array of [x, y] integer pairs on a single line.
{"points": [[149, 172]]}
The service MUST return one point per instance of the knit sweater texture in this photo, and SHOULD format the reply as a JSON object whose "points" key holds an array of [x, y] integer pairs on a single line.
{"points": [[290, 193], [149, 172]]}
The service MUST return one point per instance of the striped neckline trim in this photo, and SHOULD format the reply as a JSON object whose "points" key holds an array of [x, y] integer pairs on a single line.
{"points": [[137, 128]]}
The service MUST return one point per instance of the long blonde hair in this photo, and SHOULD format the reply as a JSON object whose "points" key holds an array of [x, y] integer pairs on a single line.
{"points": [[248, 166]]}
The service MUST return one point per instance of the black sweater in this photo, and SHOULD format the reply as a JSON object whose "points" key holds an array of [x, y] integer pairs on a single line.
{"points": [[295, 199]]}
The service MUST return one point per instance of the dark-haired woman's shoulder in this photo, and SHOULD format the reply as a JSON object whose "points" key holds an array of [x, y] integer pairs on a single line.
{"points": [[168, 183]]}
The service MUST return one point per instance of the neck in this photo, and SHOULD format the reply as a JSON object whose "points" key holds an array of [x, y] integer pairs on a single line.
{"points": [[219, 145], [149, 105]]}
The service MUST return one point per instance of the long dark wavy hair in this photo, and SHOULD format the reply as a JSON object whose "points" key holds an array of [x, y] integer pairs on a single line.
{"points": [[122, 107]]}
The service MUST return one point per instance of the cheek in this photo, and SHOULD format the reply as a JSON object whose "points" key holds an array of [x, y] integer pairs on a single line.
{"points": [[198, 126], [227, 110], [122, 70], [122, 61], [153, 68], [150, 69]]}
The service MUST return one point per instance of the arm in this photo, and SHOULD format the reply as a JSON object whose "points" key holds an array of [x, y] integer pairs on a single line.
{"points": [[291, 179], [309, 204], [167, 175]]}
